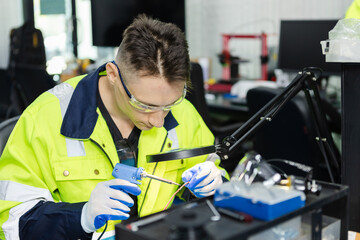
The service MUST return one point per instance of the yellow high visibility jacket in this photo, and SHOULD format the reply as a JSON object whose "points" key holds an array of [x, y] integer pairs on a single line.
{"points": [[354, 10], [61, 148]]}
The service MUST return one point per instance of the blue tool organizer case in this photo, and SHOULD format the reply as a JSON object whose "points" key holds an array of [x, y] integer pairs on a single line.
{"points": [[265, 203]]}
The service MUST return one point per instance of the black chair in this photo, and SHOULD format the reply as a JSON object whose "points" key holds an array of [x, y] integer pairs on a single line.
{"points": [[28, 82], [197, 94], [197, 97], [5, 84], [6, 128], [290, 134]]}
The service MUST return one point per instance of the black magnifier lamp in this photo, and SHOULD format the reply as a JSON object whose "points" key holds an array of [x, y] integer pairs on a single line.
{"points": [[305, 81]]}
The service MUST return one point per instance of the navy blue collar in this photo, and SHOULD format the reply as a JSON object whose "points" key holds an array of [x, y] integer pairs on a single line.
{"points": [[81, 116]]}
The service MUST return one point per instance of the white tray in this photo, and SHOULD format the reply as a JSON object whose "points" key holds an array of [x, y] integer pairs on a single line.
{"points": [[341, 50]]}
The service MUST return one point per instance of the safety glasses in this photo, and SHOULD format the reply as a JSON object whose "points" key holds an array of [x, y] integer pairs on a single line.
{"points": [[145, 107]]}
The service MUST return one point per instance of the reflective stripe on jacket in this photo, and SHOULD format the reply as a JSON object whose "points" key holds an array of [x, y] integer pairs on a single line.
{"points": [[61, 148]]}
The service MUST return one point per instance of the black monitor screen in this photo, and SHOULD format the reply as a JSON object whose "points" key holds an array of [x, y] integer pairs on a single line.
{"points": [[299, 45], [111, 17]]}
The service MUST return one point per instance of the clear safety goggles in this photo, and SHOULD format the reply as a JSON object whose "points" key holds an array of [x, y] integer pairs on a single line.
{"points": [[145, 107]]}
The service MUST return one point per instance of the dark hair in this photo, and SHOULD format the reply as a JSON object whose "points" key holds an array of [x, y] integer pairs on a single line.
{"points": [[155, 48]]}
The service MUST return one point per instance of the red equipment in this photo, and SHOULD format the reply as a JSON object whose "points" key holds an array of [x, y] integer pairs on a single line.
{"points": [[226, 52]]}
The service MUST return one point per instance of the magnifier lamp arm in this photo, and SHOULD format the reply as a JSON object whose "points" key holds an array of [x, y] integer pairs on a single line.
{"points": [[305, 81], [264, 115], [323, 135]]}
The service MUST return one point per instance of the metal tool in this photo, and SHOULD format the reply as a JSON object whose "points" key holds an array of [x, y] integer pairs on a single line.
{"points": [[242, 217], [146, 175], [134, 226], [134, 175], [216, 216]]}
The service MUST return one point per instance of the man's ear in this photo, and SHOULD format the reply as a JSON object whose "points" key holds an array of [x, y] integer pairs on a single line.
{"points": [[112, 72]]}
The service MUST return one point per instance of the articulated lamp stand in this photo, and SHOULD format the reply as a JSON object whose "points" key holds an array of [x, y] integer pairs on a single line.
{"points": [[305, 81]]}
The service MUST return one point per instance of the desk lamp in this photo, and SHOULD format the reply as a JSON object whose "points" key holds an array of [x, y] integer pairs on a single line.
{"points": [[306, 81]]}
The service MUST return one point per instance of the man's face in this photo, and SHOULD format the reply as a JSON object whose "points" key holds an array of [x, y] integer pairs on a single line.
{"points": [[149, 97]]}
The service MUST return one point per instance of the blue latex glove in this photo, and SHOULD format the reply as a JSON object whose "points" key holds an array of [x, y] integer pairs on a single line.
{"points": [[203, 179], [108, 201]]}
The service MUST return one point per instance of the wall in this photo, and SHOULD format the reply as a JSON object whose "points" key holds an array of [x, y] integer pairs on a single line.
{"points": [[206, 20], [11, 16]]}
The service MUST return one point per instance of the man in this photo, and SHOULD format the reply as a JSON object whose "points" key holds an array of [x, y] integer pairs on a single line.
{"points": [[56, 170]]}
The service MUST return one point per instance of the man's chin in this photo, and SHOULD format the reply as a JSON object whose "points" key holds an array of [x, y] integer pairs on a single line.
{"points": [[143, 127]]}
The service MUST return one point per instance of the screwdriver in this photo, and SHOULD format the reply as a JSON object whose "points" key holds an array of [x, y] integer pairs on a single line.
{"points": [[134, 175]]}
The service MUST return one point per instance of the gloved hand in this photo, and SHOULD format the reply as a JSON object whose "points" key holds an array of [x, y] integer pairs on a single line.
{"points": [[203, 178], [108, 201]]}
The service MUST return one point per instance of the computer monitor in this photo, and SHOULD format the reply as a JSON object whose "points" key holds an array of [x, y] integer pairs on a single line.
{"points": [[299, 46], [111, 17]]}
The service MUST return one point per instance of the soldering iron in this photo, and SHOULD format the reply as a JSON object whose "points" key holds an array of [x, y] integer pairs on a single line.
{"points": [[134, 175]]}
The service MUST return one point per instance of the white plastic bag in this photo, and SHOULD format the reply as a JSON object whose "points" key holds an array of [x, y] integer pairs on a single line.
{"points": [[343, 44], [346, 29]]}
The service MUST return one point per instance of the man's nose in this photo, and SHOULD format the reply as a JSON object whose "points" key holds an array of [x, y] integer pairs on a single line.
{"points": [[156, 119]]}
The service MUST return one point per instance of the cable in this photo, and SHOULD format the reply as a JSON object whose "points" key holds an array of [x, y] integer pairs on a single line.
{"points": [[175, 194], [304, 168], [282, 173], [162, 148], [106, 224]]}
